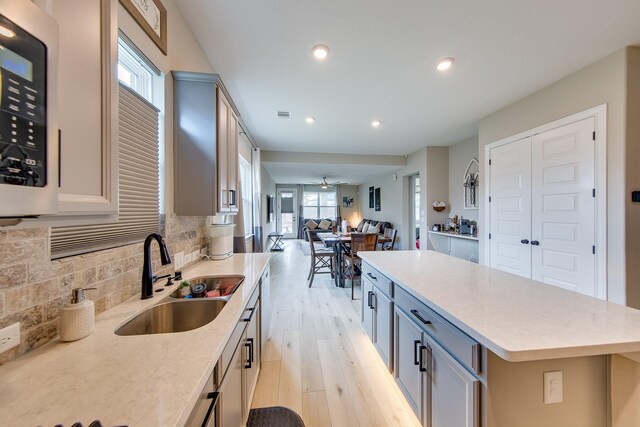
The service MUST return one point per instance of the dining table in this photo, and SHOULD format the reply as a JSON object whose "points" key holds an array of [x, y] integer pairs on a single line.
{"points": [[339, 242]]}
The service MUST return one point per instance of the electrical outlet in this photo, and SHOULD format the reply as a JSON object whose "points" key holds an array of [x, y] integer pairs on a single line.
{"points": [[178, 259], [9, 337], [195, 255], [553, 387]]}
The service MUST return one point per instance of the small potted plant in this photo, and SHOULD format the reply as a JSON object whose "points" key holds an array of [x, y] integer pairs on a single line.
{"points": [[184, 288]]}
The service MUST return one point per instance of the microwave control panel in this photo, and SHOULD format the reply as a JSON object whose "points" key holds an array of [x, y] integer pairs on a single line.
{"points": [[23, 107]]}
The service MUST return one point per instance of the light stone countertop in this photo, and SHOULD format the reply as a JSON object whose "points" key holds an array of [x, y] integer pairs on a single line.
{"points": [[516, 318], [149, 380]]}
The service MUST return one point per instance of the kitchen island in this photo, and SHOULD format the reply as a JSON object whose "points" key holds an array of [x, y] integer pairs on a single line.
{"points": [[516, 329], [144, 380]]}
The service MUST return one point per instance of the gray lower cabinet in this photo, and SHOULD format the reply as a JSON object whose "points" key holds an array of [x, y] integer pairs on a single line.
{"points": [[230, 400], [377, 311], [407, 368], [251, 358], [441, 391], [435, 364], [453, 391], [367, 312]]}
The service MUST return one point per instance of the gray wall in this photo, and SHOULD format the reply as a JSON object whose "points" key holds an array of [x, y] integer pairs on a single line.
{"points": [[268, 187], [436, 185], [601, 82], [395, 198], [459, 156]]}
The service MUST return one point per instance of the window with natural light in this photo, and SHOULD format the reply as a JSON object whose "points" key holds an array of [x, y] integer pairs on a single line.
{"points": [[319, 204], [247, 191], [134, 72]]}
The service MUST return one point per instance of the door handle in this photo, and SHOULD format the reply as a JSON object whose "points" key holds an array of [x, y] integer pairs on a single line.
{"points": [[232, 196], [369, 294], [416, 344], [248, 347], [372, 276], [524, 241], [250, 350], [374, 301], [420, 366], [535, 242]]}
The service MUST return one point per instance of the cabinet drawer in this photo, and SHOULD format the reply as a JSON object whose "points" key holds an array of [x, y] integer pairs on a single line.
{"points": [[378, 279], [457, 343]]}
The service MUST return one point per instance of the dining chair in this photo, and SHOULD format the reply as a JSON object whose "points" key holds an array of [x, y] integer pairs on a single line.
{"points": [[359, 242], [323, 261], [389, 233]]}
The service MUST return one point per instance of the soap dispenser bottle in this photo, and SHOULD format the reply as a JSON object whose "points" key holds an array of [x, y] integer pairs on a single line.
{"points": [[77, 319]]}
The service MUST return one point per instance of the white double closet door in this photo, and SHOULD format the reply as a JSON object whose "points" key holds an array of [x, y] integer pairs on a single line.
{"points": [[542, 209]]}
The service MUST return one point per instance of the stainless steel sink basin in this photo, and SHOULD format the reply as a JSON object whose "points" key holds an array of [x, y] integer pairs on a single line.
{"points": [[227, 285], [173, 316]]}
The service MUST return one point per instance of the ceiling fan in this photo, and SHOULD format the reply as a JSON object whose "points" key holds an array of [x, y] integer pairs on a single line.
{"points": [[324, 184]]}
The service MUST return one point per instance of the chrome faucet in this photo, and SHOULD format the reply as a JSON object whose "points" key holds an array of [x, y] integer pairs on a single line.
{"points": [[147, 275]]}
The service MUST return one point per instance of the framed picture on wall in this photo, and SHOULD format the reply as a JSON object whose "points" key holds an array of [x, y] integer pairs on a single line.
{"points": [[378, 202], [152, 18], [371, 203]]}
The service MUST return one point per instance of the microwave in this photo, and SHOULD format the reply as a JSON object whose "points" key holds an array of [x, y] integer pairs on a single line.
{"points": [[28, 118]]}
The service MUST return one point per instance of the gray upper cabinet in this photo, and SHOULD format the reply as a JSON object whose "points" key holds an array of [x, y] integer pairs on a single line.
{"points": [[205, 146]]}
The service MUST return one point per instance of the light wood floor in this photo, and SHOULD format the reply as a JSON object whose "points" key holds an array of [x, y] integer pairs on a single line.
{"points": [[318, 359]]}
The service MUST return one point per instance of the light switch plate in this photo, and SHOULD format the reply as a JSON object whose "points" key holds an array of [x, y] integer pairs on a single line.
{"points": [[195, 255], [179, 260], [9, 337], [553, 387]]}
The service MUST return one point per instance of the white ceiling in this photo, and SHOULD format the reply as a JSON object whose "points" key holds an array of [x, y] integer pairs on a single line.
{"points": [[382, 63], [312, 173]]}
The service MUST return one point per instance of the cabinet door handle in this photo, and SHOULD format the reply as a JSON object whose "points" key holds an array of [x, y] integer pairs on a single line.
{"points": [[369, 294], [416, 344], [250, 350], [535, 242], [372, 276], [420, 318], [248, 347], [251, 310], [421, 352], [374, 301], [232, 196], [524, 241]]}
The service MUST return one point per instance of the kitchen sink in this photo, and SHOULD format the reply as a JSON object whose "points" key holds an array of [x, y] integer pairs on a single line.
{"points": [[173, 316], [227, 285]]}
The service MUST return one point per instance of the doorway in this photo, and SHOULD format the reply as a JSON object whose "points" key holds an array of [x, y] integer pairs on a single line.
{"points": [[414, 212], [286, 218]]}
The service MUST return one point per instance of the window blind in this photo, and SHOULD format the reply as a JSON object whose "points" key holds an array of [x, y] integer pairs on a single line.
{"points": [[137, 184]]}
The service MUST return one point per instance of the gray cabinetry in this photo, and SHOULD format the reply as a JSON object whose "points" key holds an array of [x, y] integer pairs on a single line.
{"points": [[205, 146], [239, 366], [251, 356], [377, 318], [230, 400], [435, 365], [453, 391], [407, 352]]}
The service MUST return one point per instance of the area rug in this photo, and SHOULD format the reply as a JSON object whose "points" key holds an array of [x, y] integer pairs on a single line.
{"points": [[274, 416]]}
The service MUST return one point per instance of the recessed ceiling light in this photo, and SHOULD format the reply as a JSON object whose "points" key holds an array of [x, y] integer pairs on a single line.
{"points": [[376, 123], [444, 64], [310, 120], [320, 51], [4, 31]]}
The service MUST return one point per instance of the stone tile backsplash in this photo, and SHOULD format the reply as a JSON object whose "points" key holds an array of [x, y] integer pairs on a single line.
{"points": [[33, 288]]}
